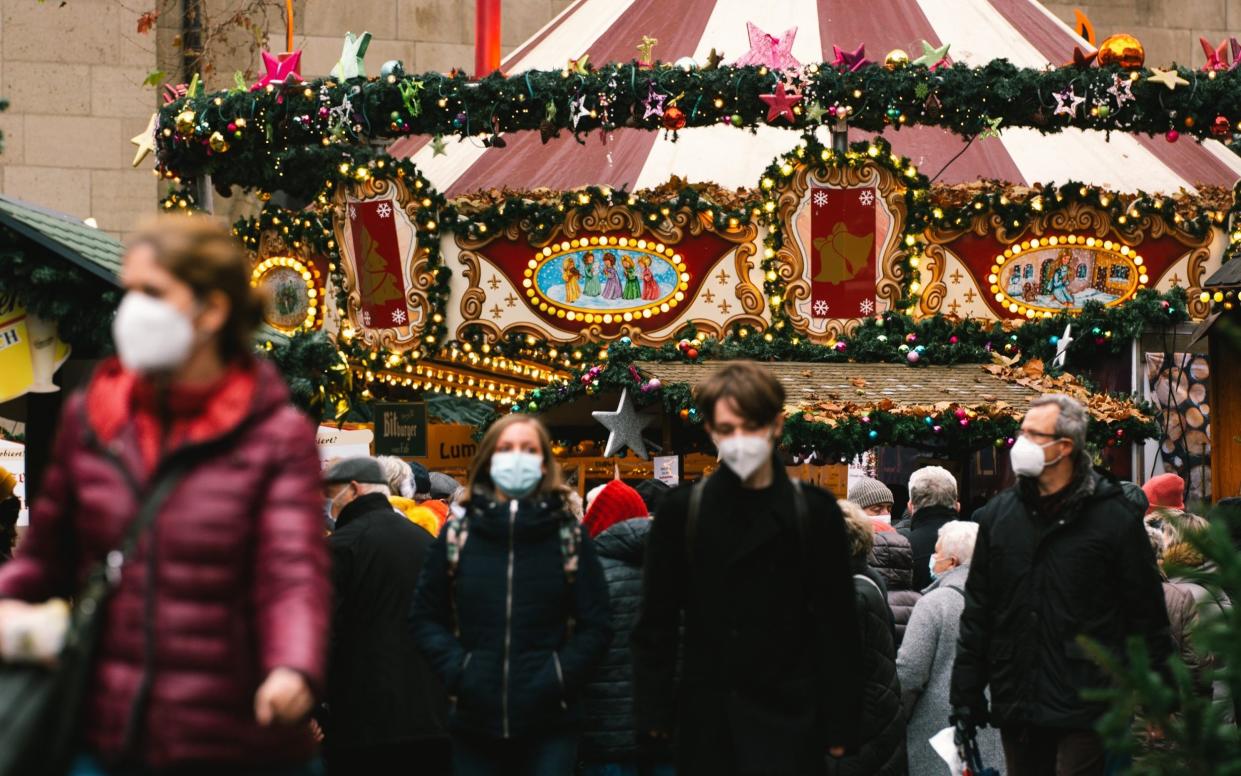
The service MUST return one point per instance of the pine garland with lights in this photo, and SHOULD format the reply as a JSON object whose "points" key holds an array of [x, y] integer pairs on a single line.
{"points": [[319, 380]]}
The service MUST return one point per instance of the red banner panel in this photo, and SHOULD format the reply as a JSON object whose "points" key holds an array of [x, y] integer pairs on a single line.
{"points": [[377, 253]]}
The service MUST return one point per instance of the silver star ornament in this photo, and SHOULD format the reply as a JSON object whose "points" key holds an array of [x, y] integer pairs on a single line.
{"points": [[625, 426]]}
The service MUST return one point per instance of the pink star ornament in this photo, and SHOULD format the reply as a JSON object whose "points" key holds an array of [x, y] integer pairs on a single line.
{"points": [[769, 51], [851, 60], [781, 104], [280, 68], [1217, 58]]}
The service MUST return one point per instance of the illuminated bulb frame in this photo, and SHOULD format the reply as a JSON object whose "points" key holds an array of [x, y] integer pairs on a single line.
{"points": [[308, 273], [1111, 248]]}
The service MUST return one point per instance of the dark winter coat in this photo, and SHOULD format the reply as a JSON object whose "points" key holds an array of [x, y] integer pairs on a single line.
{"points": [[607, 701], [892, 557], [923, 534], [230, 583], [771, 648], [513, 639], [881, 733], [380, 688], [1039, 582]]}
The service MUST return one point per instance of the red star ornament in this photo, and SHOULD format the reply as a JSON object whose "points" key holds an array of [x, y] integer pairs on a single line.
{"points": [[781, 104], [1081, 58], [280, 68]]}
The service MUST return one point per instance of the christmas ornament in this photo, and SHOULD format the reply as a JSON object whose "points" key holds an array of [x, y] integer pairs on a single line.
{"points": [[578, 111], [1067, 102], [1169, 78], [713, 60], [850, 60], [393, 68], [185, 122], [992, 129], [737, 120], [1122, 50], [687, 64], [815, 112], [1217, 58], [645, 48], [913, 356], [351, 55], [932, 57], [280, 68], [1172, 136], [438, 145], [769, 51], [1081, 58], [896, 59], [579, 65], [1062, 346], [174, 93], [1121, 89], [781, 104], [653, 105], [410, 96], [624, 426], [1221, 127], [217, 143], [673, 118], [145, 140]]}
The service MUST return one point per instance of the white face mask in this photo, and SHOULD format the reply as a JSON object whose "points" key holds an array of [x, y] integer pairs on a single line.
{"points": [[151, 335], [884, 518], [744, 453], [1027, 457]]}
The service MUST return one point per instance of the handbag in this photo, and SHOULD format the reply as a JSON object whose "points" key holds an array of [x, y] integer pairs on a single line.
{"points": [[40, 708]]}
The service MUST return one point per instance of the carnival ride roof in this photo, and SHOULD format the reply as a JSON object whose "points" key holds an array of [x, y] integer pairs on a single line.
{"points": [[1022, 31], [868, 384]]}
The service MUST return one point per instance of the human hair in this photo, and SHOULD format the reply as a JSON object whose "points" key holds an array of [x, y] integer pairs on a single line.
{"points": [[202, 253], [957, 538], [1176, 525], [479, 476], [1071, 422], [398, 475], [932, 486], [758, 395], [372, 487], [858, 529]]}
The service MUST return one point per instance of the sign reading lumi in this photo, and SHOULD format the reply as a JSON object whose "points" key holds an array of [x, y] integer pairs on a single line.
{"points": [[401, 429]]}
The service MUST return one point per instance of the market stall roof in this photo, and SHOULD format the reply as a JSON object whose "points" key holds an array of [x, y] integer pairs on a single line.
{"points": [[84, 246], [868, 384], [1227, 276], [1022, 31]]}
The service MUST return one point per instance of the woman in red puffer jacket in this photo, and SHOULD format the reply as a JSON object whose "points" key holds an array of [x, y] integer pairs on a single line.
{"points": [[214, 639]]}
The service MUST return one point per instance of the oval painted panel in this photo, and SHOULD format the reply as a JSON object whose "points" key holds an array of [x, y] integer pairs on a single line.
{"points": [[615, 278], [1056, 274]]}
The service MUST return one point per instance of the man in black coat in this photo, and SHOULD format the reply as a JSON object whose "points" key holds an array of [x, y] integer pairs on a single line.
{"points": [[932, 505], [385, 709], [758, 570], [1059, 556]]}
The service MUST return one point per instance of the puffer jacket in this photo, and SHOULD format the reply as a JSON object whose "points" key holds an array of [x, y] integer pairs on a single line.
{"points": [[892, 556], [513, 639], [607, 702], [882, 727], [1037, 583], [229, 583]]}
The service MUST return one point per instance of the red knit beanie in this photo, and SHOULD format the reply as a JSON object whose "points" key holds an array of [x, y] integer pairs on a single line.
{"points": [[616, 503], [1166, 490]]}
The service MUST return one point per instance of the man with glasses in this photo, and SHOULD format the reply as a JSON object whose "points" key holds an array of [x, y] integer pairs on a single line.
{"points": [[1060, 555]]}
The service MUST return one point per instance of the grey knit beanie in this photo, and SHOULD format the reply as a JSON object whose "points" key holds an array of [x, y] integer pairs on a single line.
{"points": [[866, 492]]}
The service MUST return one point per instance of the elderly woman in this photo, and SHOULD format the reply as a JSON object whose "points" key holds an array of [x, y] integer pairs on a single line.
{"points": [[924, 664], [882, 731]]}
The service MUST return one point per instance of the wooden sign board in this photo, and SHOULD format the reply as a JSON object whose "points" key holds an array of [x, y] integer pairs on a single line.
{"points": [[450, 446]]}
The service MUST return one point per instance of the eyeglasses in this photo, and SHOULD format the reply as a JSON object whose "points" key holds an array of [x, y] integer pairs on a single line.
{"points": [[1031, 433]]}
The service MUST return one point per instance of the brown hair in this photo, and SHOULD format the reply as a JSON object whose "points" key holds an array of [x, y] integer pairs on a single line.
{"points": [[202, 253], [858, 529], [758, 395], [479, 476]]}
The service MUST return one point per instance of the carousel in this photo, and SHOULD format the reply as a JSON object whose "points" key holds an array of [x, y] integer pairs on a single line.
{"points": [[993, 208]]}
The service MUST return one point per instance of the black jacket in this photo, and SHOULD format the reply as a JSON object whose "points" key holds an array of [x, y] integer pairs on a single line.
{"points": [[923, 533], [882, 727], [892, 557], [512, 637], [379, 689], [1038, 582], [771, 647], [607, 702]]}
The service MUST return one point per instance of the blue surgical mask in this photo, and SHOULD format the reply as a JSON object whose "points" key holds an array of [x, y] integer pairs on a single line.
{"points": [[515, 473], [931, 565]]}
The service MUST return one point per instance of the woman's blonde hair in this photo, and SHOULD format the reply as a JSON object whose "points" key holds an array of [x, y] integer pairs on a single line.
{"points": [[479, 476], [858, 529]]}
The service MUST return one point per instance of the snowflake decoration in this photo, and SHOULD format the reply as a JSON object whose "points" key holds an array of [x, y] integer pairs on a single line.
{"points": [[398, 317], [867, 307], [867, 197], [353, 213], [384, 210], [366, 317], [820, 308], [820, 198]]}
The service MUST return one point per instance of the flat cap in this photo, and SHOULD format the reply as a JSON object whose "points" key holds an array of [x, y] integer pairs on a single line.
{"points": [[363, 470]]}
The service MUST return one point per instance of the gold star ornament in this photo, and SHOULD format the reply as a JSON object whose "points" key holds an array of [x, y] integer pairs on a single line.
{"points": [[145, 140], [1169, 78]]}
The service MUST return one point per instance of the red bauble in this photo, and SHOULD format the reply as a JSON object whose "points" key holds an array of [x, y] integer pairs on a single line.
{"points": [[692, 353], [1172, 136], [1221, 127], [674, 118]]}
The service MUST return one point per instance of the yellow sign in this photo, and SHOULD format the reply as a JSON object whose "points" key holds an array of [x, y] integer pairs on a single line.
{"points": [[30, 353], [450, 446]]}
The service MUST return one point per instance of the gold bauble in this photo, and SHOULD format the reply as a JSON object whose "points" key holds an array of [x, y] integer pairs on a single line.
{"points": [[185, 122], [218, 143], [1122, 49], [896, 58]]}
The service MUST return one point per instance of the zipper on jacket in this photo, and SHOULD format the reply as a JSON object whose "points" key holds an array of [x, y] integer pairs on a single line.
{"points": [[508, 616], [560, 679]]}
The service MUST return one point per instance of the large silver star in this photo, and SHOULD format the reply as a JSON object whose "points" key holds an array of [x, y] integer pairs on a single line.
{"points": [[625, 425]]}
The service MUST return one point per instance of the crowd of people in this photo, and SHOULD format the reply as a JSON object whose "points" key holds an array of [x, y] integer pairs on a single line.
{"points": [[379, 618]]}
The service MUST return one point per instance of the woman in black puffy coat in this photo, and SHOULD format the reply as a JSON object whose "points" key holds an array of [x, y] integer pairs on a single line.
{"points": [[512, 610], [882, 729]]}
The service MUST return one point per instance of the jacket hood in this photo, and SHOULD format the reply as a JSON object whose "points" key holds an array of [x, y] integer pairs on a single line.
{"points": [[536, 516], [954, 578], [625, 541]]}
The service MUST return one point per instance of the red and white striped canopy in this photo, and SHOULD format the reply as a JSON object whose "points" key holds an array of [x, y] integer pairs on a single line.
{"points": [[979, 31]]}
